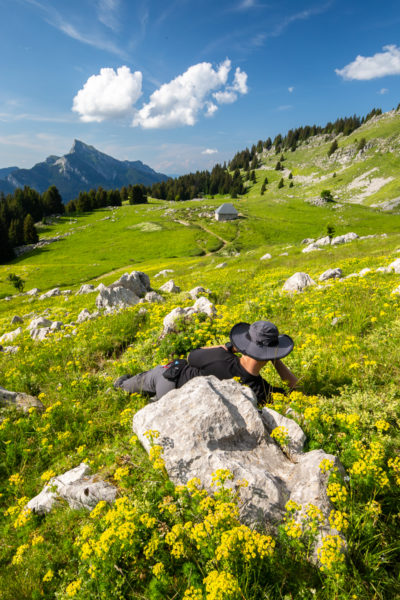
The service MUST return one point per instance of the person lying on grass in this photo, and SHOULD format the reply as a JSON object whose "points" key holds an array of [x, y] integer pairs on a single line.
{"points": [[258, 344]]}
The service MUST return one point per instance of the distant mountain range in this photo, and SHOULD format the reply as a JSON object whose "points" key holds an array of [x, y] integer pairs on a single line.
{"points": [[82, 169]]}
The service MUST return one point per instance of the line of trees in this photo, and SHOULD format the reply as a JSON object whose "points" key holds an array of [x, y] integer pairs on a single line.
{"points": [[18, 213], [100, 198], [193, 185], [247, 159]]}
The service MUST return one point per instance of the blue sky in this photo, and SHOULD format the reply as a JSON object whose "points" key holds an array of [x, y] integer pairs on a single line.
{"points": [[183, 84]]}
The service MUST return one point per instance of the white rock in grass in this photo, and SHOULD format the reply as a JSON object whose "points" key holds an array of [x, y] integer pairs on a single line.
{"points": [[56, 325], [352, 275], [32, 292], [194, 293], [39, 322], [210, 424], [170, 287], [382, 270], [66, 292], [40, 333], [331, 274], [77, 487], [164, 273], [171, 319], [307, 241], [154, 297], [395, 266], [344, 239], [310, 248], [10, 337], [325, 241], [84, 315], [86, 288], [116, 297], [221, 265], [298, 282], [266, 257], [50, 294], [203, 305], [9, 349], [364, 271], [296, 435], [137, 282]]}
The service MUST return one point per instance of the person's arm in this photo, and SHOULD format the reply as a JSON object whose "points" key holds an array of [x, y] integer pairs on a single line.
{"points": [[285, 373]]}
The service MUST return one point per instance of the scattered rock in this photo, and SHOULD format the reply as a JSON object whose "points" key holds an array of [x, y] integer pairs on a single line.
{"points": [[210, 424], [137, 282], [84, 315], [10, 337], [307, 241], [351, 275], [266, 257], [325, 241], [298, 282], [54, 292], [364, 272], [18, 400], [16, 319], [116, 297], [40, 333], [66, 292], [9, 349], [383, 270], [202, 305], [154, 297], [56, 325], [331, 274], [221, 265], [164, 273], [170, 287], [86, 288], [38, 323], [344, 239], [77, 487], [310, 248], [194, 293], [395, 266], [32, 292], [284, 254]]}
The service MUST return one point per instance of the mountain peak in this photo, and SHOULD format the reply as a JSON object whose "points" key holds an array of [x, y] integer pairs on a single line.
{"points": [[79, 146]]}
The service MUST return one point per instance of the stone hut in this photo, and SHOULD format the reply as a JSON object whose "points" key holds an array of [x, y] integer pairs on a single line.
{"points": [[226, 212]]}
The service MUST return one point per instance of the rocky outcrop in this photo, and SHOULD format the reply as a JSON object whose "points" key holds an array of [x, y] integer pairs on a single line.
{"points": [[50, 294], [19, 400], [154, 297], [77, 487], [216, 425], [311, 248], [137, 282], [196, 291], [344, 239], [298, 282], [86, 288], [163, 273], [11, 335], [202, 305], [116, 297], [16, 320], [395, 266]]}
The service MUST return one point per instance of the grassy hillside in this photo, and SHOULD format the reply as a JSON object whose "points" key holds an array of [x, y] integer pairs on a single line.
{"points": [[346, 355]]}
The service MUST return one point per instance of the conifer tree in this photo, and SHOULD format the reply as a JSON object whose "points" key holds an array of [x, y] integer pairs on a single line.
{"points": [[16, 233], [30, 233], [280, 184]]}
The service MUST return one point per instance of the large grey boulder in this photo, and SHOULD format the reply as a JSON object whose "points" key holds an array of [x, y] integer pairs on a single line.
{"points": [[116, 297], [77, 487], [86, 288], [40, 333], [19, 400], [50, 294], [210, 424], [154, 297], [298, 282], [331, 274], [11, 335], [170, 287], [137, 282], [202, 305]]}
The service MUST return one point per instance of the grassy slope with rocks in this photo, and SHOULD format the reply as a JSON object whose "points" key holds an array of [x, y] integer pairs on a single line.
{"points": [[348, 404]]}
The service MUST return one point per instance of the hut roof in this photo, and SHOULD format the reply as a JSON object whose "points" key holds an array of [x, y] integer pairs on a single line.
{"points": [[226, 209]]}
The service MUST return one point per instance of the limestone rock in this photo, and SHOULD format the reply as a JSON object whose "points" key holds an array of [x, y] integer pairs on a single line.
{"points": [[325, 241], [16, 319], [194, 293], [307, 241], [221, 265], [298, 282], [266, 257], [116, 297], [154, 297], [364, 271], [344, 239], [40, 333], [395, 266], [171, 318], [203, 305], [170, 287], [272, 419], [310, 248], [86, 288], [137, 282], [32, 292], [163, 273], [77, 487], [39, 322], [18, 400], [331, 274], [84, 315], [210, 424], [383, 270], [66, 292], [10, 337], [56, 325], [54, 292], [9, 349]]}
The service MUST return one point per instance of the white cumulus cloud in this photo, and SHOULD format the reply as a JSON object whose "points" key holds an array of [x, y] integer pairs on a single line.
{"points": [[290, 89], [383, 91], [210, 151], [182, 100], [371, 67], [109, 95]]}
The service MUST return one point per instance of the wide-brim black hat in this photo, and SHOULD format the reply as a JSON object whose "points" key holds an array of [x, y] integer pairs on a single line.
{"points": [[261, 340]]}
